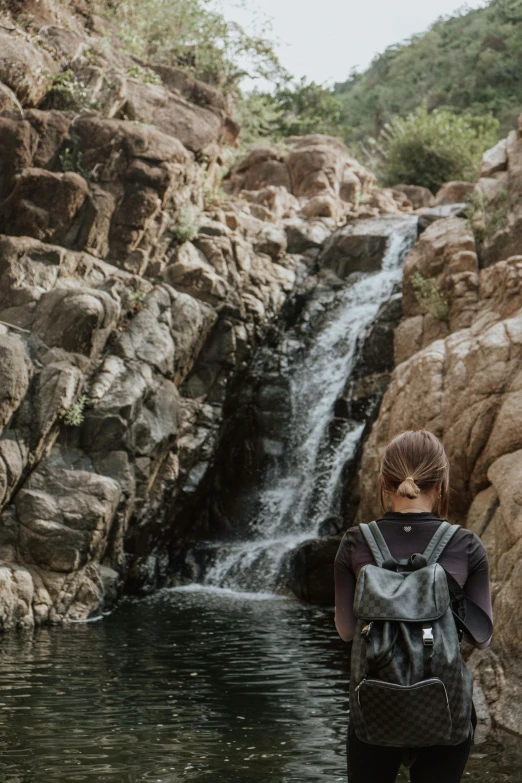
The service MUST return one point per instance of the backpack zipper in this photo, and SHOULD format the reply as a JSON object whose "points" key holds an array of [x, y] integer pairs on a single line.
{"points": [[392, 685]]}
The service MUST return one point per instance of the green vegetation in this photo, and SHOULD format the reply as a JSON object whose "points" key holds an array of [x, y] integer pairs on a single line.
{"points": [[430, 149], [75, 415], [469, 63], [186, 228], [295, 108], [486, 222], [68, 92], [429, 297], [193, 35], [71, 159], [143, 74]]}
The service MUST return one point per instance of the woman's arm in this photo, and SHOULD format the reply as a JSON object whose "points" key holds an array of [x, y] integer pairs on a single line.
{"points": [[345, 620], [477, 586]]}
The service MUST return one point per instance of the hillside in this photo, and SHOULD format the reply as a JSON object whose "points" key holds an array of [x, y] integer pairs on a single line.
{"points": [[471, 62]]}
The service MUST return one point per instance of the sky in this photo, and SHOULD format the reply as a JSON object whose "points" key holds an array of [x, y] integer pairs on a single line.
{"points": [[325, 39]]}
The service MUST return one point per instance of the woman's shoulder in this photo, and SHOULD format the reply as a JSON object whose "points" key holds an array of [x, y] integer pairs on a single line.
{"points": [[351, 539]]}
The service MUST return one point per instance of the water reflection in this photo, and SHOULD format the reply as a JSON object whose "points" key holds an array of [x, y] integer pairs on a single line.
{"points": [[187, 686]]}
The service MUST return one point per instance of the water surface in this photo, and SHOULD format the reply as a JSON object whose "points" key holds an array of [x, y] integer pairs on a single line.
{"points": [[187, 686]]}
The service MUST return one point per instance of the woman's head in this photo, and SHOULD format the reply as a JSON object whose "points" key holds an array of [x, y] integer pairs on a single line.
{"points": [[415, 463]]}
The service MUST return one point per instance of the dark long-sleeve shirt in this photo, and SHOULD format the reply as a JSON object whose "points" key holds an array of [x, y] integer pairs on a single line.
{"points": [[464, 558]]}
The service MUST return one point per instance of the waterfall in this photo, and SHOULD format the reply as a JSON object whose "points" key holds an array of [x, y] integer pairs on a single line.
{"points": [[305, 487]]}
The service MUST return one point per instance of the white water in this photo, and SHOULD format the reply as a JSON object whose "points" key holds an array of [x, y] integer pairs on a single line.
{"points": [[307, 489]]}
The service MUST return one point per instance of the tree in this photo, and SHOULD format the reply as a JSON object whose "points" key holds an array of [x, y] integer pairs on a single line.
{"points": [[193, 35]]}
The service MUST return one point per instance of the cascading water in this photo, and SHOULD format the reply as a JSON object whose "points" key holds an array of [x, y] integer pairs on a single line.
{"points": [[305, 487]]}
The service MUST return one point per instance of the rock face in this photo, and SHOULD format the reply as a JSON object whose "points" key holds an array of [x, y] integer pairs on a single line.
{"points": [[459, 370], [131, 302]]}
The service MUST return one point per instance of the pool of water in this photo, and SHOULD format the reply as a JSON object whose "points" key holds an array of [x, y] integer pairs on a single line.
{"points": [[188, 686]]}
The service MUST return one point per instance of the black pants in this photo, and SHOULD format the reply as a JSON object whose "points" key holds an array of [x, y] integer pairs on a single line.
{"points": [[376, 764]]}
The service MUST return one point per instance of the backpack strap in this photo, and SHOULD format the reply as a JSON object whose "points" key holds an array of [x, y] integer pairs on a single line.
{"points": [[376, 543], [440, 541]]}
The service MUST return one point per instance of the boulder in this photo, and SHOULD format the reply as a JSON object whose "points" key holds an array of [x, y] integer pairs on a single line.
{"points": [[65, 517], [454, 193], [494, 159], [419, 196], [311, 570], [25, 68], [260, 168], [191, 273], [45, 205], [196, 127], [360, 246]]}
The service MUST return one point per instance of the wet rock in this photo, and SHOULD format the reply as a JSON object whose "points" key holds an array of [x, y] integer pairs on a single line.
{"points": [[312, 571], [358, 247]]}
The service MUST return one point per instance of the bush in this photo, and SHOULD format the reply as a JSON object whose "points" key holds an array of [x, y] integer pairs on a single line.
{"points": [[186, 228], [75, 415], [430, 149], [429, 297]]}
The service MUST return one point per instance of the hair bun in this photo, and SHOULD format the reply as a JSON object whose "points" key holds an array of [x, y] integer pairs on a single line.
{"points": [[408, 488]]}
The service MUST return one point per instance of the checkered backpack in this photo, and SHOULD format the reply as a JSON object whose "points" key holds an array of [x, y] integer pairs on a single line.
{"points": [[409, 685]]}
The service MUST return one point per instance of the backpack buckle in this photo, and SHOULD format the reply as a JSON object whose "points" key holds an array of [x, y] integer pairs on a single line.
{"points": [[427, 636], [366, 631]]}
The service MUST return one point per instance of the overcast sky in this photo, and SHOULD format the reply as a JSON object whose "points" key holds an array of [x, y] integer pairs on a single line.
{"points": [[324, 39]]}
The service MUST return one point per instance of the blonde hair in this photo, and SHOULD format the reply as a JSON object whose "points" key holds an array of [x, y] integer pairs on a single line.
{"points": [[415, 462]]}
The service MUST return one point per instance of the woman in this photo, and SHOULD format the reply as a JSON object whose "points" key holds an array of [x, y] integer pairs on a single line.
{"points": [[414, 480]]}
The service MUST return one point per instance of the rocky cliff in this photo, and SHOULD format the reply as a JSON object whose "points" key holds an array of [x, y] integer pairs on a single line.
{"points": [[458, 351], [132, 295]]}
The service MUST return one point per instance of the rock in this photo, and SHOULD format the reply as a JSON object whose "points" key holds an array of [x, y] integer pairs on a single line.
{"points": [[303, 235], [260, 168], [191, 274], [359, 246], [445, 250], [16, 374], [494, 159], [454, 193], [428, 215], [45, 206], [317, 165], [153, 104], [323, 206], [320, 164], [464, 387], [311, 570], [65, 517], [419, 196], [24, 68]]}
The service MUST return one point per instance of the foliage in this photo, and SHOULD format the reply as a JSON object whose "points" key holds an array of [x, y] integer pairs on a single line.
{"points": [[429, 297], [430, 149], [486, 221], [186, 228], [467, 63], [144, 74], [71, 159], [193, 35], [296, 108], [75, 415], [67, 91]]}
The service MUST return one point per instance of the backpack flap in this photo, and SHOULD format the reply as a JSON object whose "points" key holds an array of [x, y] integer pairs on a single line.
{"points": [[417, 596]]}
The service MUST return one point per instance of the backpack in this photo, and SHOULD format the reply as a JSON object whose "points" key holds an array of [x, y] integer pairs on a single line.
{"points": [[409, 686]]}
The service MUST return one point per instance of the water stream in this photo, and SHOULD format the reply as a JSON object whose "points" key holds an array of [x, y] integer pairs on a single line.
{"points": [[304, 488]]}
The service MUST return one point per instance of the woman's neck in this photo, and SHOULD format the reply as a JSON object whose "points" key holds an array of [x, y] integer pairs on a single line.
{"points": [[424, 503]]}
